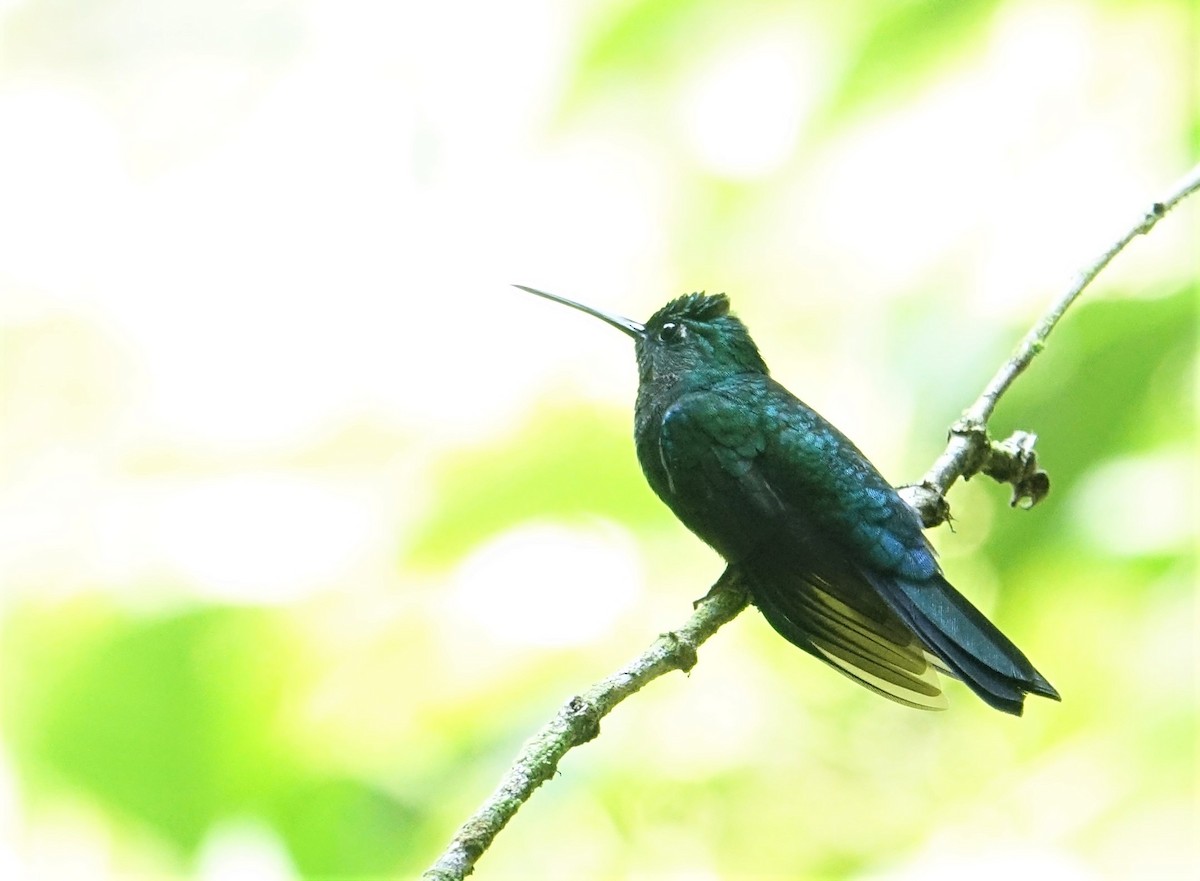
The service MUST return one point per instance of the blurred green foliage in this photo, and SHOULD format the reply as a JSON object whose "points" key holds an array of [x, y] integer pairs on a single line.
{"points": [[361, 722], [535, 474]]}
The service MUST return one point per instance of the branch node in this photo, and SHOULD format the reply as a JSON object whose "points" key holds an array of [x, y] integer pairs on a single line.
{"points": [[974, 434], [927, 501], [682, 651], [584, 720], [1014, 461], [474, 839]]}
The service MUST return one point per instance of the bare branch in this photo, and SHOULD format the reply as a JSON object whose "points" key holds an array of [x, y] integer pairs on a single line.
{"points": [[970, 448], [969, 452], [578, 721]]}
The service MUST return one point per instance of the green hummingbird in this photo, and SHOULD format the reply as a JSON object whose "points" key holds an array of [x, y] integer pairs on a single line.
{"points": [[836, 561]]}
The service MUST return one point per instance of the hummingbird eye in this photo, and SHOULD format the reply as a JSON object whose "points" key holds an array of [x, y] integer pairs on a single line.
{"points": [[672, 332]]}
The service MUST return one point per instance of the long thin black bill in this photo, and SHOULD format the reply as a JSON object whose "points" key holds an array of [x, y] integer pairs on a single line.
{"points": [[625, 325]]}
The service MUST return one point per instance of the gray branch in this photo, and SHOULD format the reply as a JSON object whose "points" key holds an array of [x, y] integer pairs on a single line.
{"points": [[578, 721], [969, 451]]}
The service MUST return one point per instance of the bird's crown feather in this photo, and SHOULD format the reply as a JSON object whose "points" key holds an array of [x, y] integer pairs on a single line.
{"points": [[697, 306]]}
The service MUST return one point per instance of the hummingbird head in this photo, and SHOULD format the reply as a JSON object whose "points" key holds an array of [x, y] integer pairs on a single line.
{"points": [[693, 335], [696, 334]]}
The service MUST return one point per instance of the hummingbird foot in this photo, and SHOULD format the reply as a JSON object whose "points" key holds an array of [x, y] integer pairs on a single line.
{"points": [[731, 579]]}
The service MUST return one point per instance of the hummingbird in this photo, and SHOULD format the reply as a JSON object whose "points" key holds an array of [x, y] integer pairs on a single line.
{"points": [[835, 560]]}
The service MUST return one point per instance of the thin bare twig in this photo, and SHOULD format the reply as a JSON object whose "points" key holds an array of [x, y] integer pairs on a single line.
{"points": [[578, 721], [969, 451], [1034, 341]]}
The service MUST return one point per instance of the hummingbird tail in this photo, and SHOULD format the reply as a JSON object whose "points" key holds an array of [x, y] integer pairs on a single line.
{"points": [[967, 643]]}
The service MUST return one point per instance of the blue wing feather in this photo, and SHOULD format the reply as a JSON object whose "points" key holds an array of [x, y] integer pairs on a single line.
{"points": [[835, 559]]}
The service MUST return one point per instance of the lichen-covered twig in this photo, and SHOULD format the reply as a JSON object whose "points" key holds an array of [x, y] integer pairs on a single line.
{"points": [[578, 721], [971, 449]]}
